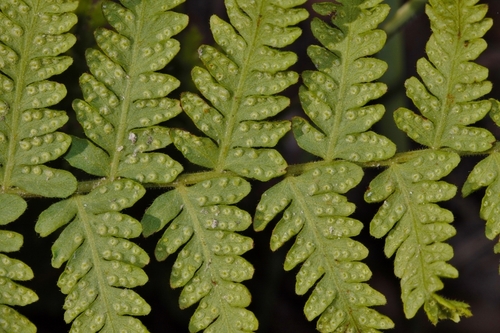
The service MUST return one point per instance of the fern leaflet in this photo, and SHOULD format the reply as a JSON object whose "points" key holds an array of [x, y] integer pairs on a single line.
{"points": [[451, 82], [240, 82], [27, 137], [447, 99], [101, 263], [334, 97], [416, 230], [11, 270], [209, 266], [317, 214], [125, 96], [485, 174]]}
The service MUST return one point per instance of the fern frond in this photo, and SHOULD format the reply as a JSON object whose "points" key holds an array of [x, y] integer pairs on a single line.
{"points": [[12, 270], [240, 82], [124, 96], [335, 97], [210, 265], [416, 229], [451, 85], [102, 264], [317, 214], [485, 174], [32, 35]]}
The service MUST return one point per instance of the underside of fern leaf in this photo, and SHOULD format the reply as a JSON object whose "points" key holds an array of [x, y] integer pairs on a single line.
{"points": [[486, 174], [124, 100], [125, 96], [334, 97], [209, 266], [451, 82], [32, 35], [12, 270], [240, 82], [416, 228], [102, 264], [447, 98], [317, 214]]}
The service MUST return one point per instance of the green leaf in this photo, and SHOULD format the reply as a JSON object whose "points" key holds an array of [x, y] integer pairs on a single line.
{"points": [[451, 85], [335, 96], [125, 95], [11, 208], [485, 174], [102, 264], [90, 158], [240, 81], [416, 229], [13, 321], [56, 216], [495, 111], [315, 212], [39, 122], [150, 168], [442, 308], [201, 218], [261, 164], [11, 270], [33, 35], [42, 180], [10, 241], [29, 55], [254, 134], [198, 150]]}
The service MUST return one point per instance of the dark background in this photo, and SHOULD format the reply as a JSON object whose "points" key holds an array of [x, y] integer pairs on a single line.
{"points": [[274, 303]]}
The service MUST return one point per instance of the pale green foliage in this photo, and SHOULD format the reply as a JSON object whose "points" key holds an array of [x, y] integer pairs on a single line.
{"points": [[451, 82], [11, 270], [447, 99], [416, 229], [32, 35], [101, 263], [209, 265], [485, 174], [335, 96], [125, 101], [316, 213], [125, 96], [240, 82]]}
